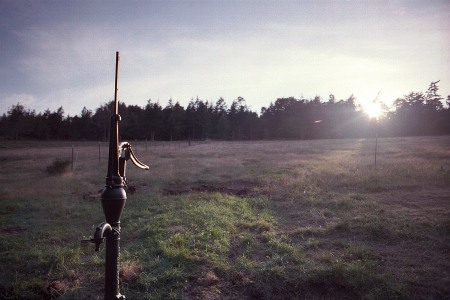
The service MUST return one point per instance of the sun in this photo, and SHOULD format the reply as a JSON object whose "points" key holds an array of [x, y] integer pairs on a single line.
{"points": [[373, 110]]}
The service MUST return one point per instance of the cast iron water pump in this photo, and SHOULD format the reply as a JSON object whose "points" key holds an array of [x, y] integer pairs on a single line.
{"points": [[113, 200]]}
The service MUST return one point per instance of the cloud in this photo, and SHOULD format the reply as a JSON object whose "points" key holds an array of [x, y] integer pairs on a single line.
{"points": [[8, 100], [62, 56]]}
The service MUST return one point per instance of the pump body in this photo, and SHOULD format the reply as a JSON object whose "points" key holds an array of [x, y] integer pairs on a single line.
{"points": [[113, 201]]}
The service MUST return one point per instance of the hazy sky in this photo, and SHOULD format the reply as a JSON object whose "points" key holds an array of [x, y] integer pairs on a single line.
{"points": [[62, 53]]}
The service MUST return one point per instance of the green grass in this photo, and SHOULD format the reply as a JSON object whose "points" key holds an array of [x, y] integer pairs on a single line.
{"points": [[262, 220], [185, 233]]}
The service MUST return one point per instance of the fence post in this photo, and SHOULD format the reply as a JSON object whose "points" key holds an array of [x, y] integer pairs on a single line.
{"points": [[72, 168]]}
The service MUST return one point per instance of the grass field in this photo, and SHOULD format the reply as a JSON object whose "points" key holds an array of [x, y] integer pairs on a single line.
{"points": [[234, 220]]}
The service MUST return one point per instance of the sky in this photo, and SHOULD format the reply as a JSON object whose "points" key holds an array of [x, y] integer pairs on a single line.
{"points": [[62, 53]]}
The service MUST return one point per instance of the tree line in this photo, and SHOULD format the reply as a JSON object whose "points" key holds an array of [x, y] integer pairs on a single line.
{"points": [[416, 113]]}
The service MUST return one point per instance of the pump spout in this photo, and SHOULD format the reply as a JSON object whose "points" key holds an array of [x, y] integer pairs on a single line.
{"points": [[102, 232]]}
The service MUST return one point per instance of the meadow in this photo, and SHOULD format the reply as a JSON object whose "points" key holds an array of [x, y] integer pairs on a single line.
{"points": [[233, 220]]}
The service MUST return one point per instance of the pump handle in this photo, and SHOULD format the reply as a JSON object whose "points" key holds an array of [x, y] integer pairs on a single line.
{"points": [[125, 146], [127, 153]]}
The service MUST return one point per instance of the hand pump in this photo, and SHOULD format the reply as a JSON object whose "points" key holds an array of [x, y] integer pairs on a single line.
{"points": [[113, 200]]}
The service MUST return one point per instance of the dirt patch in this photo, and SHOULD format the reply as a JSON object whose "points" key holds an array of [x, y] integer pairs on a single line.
{"points": [[132, 188], [11, 231], [56, 288], [91, 196], [237, 188], [130, 271], [206, 284], [176, 229]]}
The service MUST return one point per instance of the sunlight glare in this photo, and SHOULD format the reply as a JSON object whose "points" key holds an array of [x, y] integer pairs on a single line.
{"points": [[373, 110]]}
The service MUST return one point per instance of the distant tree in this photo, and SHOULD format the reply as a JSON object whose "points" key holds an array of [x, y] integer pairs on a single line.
{"points": [[132, 122], [351, 120], [236, 115], [102, 119], [420, 114], [409, 114], [289, 114], [174, 117], [415, 113], [3, 126], [315, 118], [19, 122], [153, 120], [54, 123], [331, 99], [15, 120], [284, 119], [203, 118], [87, 125], [330, 120], [434, 115], [219, 120], [83, 127], [433, 101]]}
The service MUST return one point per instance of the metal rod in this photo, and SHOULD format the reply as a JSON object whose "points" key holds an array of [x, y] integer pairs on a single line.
{"points": [[113, 163], [116, 103]]}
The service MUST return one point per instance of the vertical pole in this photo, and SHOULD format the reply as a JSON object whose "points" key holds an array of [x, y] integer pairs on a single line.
{"points": [[113, 163], [72, 161], [376, 140]]}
